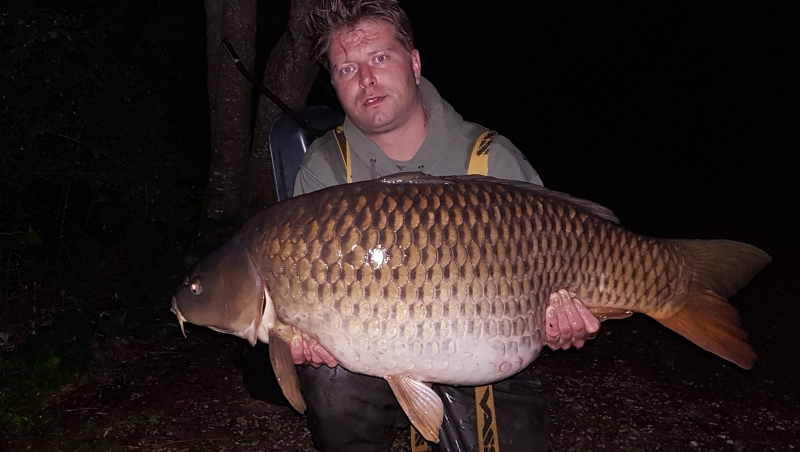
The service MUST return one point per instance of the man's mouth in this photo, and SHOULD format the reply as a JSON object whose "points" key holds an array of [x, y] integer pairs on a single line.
{"points": [[373, 100]]}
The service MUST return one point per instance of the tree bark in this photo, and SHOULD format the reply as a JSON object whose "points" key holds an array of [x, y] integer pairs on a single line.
{"points": [[289, 74], [229, 96]]}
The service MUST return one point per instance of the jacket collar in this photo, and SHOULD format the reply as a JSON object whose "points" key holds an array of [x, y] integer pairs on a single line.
{"points": [[444, 124]]}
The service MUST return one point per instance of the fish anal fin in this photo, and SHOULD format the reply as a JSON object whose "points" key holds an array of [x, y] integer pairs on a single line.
{"points": [[422, 406], [710, 322], [280, 356], [604, 313]]}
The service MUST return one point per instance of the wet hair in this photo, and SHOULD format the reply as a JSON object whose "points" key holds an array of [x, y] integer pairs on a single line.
{"points": [[337, 16]]}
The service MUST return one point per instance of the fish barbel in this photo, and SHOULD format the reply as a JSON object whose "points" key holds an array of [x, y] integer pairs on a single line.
{"points": [[420, 279]]}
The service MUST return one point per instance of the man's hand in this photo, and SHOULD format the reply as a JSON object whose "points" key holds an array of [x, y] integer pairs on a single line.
{"points": [[569, 322], [306, 350]]}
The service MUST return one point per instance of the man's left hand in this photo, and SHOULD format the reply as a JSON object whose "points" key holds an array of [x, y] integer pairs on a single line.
{"points": [[568, 322]]}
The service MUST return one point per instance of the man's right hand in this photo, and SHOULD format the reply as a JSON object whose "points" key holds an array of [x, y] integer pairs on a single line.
{"points": [[306, 350]]}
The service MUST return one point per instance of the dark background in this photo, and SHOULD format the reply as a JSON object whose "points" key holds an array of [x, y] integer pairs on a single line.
{"points": [[662, 111], [683, 117]]}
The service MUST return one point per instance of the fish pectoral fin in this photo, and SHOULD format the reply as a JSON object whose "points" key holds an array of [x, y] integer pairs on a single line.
{"points": [[422, 406], [603, 313], [280, 355]]}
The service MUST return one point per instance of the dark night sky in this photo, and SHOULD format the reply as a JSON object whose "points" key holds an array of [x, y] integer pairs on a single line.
{"points": [[668, 110]]}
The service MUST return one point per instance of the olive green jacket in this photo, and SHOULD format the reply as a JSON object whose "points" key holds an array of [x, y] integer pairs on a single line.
{"points": [[445, 151]]}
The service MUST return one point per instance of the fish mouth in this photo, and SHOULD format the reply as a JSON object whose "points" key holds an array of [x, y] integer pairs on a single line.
{"points": [[177, 312]]}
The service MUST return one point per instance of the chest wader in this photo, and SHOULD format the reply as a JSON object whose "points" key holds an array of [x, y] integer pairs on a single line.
{"points": [[471, 415]]}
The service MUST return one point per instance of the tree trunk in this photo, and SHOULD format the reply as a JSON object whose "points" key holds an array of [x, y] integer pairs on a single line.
{"points": [[241, 181], [229, 96], [289, 74]]}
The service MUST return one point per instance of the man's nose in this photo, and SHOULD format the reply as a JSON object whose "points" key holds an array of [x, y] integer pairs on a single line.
{"points": [[367, 77]]}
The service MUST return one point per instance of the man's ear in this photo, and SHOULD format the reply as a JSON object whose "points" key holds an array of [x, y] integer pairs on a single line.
{"points": [[416, 65]]}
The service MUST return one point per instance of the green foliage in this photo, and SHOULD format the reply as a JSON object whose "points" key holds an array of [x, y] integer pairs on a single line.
{"points": [[60, 350], [103, 154]]}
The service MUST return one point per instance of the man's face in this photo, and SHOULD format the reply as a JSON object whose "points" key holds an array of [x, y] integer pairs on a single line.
{"points": [[375, 77]]}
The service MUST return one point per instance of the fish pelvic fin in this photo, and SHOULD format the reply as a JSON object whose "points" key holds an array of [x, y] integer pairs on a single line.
{"points": [[421, 404], [280, 355], [721, 268]]}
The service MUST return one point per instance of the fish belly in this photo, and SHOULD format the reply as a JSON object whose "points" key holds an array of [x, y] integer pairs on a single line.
{"points": [[483, 351]]}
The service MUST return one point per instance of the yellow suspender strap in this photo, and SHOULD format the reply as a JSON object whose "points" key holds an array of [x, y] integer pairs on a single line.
{"points": [[484, 395], [487, 419], [479, 160], [488, 439], [344, 148]]}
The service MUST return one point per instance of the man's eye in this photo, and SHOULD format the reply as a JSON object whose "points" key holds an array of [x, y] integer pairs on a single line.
{"points": [[381, 58], [346, 70]]}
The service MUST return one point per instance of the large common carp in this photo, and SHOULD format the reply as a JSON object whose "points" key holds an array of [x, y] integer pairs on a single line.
{"points": [[421, 279]]}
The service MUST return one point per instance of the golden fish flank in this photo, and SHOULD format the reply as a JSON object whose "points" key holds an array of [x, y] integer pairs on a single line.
{"points": [[458, 289], [419, 280]]}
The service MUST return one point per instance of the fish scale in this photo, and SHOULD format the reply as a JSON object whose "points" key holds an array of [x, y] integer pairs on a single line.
{"points": [[421, 279]]}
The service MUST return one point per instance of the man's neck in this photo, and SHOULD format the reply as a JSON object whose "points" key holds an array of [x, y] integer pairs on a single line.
{"points": [[403, 143]]}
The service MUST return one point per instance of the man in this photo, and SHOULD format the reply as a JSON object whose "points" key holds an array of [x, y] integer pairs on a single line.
{"points": [[396, 121]]}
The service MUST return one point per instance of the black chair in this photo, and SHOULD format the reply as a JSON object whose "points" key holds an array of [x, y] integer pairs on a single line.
{"points": [[288, 142]]}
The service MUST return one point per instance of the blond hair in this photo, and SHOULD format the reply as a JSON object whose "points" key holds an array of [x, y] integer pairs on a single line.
{"points": [[336, 16]]}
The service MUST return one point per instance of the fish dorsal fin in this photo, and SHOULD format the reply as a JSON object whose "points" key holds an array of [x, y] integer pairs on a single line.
{"points": [[422, 406], [579, 204], [415, 177], [280, 355]]}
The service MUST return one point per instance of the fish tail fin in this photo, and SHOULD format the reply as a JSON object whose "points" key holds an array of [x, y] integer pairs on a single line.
{"points": [[721, 268]]}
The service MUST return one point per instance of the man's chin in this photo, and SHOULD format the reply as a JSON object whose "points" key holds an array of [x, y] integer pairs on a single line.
{"points": [[376, 125]]}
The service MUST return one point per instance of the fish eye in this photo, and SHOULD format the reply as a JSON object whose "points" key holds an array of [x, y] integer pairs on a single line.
{"points": [[195, 287]]}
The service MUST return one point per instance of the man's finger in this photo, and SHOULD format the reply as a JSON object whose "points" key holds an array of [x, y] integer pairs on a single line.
{"points": [[591, 324], [564, 323], [552, 333], [577, 320], [324, 356], [296, 348]]}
